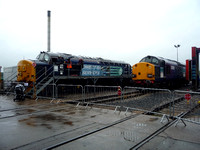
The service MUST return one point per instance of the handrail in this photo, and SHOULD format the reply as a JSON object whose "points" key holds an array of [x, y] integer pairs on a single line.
{"points": [[44, 73], [36, 75], [14, 74], [39, 71], [40, 77]]}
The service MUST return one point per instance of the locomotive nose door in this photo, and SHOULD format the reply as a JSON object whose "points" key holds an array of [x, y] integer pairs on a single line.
{"points": [[162, 69]]}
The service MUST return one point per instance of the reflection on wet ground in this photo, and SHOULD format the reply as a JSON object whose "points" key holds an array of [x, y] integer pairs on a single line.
{"points": [[45, 120]]}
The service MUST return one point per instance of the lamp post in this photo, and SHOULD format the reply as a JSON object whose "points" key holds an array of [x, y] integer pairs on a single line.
{"points": [[177, 46]]}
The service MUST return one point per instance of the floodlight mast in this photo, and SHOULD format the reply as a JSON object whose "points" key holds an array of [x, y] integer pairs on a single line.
{"points": [[177, 46], [49, 31]]}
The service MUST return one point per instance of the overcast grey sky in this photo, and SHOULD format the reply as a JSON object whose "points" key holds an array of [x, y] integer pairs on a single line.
{"points": [[125, 30]]}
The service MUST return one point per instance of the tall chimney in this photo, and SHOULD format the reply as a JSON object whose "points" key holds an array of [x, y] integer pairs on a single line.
{"points": [[49, 30]]}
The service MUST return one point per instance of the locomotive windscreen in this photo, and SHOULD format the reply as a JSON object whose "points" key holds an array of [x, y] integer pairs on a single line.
{"points": [[150, 59]]}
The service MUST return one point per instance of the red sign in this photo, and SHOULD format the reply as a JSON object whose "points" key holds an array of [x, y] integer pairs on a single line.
{"points": [[187, 96]]}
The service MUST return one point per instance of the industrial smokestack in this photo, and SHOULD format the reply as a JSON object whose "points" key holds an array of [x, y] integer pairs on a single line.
{"points": [[49, 30]]}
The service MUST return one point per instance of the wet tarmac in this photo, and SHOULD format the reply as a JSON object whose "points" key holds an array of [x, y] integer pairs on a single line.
{"points": [[38, 124]]}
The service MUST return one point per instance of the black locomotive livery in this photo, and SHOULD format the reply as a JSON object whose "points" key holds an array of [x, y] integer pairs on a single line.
{"points": [[67, 66]]}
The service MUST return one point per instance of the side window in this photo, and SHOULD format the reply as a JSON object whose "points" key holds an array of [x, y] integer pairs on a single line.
{"points": [[46, 58]]}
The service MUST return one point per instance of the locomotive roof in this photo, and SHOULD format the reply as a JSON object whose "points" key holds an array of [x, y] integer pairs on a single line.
{"points": [[169, 61], [90, 59]]}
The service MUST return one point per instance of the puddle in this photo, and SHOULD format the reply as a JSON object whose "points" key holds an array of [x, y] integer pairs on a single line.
{"points": [[69, 112], [25, 111], [46, 120]]}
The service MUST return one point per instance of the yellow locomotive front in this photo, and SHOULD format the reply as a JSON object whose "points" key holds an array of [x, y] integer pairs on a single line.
{"points": [[26, 71], [143, 73]]}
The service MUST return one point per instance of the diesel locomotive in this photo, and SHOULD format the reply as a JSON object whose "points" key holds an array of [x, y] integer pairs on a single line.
{"points": [[66, 66], [158, 72]]}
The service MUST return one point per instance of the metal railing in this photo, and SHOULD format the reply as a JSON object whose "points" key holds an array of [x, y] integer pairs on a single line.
{"points": [[189, 101], [162, 102], [102, 93], [48, 92], [34, 91], [147, 99], [69, 92]]}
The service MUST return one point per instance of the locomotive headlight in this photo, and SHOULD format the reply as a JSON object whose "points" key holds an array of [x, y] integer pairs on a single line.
{"points": [[149, 75]]}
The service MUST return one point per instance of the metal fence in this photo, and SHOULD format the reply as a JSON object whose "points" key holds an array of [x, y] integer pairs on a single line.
{"points": [[102, 94], [69, 92], [147, 99], [48, 92], [187, 101]]}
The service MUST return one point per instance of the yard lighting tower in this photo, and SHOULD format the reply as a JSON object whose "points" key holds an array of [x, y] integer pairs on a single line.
{"points": [[177, 46], [49, 31]]}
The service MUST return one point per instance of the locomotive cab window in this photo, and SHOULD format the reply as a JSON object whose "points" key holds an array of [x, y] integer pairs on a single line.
{"points": [[40, 57], [143, 60], [155, 61], [46, 58], [146, 59]]}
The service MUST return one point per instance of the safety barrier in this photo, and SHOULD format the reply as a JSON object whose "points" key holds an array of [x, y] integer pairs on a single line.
{"points": [[147, 99], [69, 92], [162, 102], [48, 92], [188, 101], [102, 94]]}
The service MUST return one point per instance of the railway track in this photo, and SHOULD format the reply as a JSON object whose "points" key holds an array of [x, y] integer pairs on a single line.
{"points": [[157, 132], [165, 107], [112, 100], [107, 98], [66, 137], [83, 131]]}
